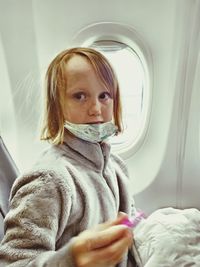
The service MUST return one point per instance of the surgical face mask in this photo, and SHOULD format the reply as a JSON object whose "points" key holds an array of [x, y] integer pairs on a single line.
{"points": [[92, 132]]}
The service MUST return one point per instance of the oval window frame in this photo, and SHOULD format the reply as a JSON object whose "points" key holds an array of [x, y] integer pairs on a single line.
{"points": [[124, 34]]}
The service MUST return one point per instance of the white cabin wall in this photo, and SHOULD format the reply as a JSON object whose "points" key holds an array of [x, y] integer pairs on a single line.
{"points": [[190, 178], [177, 181], [55, 29], [191, 172]]}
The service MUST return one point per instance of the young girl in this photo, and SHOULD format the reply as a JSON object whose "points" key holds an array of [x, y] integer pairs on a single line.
{"points": [[68, 211]]}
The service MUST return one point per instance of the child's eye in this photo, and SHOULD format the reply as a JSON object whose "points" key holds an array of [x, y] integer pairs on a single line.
{"points": [[105, 96], [79, 96]]}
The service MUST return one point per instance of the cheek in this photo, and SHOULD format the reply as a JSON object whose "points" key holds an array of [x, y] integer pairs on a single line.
{"points": [[69, 112], [109, 112], [74, 113]]}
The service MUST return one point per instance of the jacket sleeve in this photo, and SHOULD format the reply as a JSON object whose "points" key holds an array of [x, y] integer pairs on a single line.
{"points": [[40, 204]]}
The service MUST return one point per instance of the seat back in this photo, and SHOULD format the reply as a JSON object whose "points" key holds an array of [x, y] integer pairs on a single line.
{"points": [[8, 173]]}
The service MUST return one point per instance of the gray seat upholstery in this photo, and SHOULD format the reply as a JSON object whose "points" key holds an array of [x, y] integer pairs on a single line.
{"points": [[8, 173], [1, 227]]}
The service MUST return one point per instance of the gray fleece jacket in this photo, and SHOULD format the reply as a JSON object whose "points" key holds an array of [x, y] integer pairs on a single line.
{"points": [[73, 187]]}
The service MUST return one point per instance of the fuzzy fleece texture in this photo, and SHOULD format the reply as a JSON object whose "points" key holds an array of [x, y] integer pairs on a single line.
{"points": [[73, 187]]}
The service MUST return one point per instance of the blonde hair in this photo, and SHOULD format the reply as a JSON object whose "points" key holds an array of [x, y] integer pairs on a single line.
{"points": [[55, 86]]}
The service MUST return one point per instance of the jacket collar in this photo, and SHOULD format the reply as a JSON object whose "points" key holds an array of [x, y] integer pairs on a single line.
{"points": [[96, 154]]}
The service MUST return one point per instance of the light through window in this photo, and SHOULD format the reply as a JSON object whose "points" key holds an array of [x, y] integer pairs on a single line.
{"points": [[131, 77]]}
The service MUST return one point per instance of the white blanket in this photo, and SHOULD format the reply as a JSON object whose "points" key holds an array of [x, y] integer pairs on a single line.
{"points": [[168, 238]]}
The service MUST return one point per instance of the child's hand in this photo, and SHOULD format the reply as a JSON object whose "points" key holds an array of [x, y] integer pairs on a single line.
{"points": [[103, 246]]}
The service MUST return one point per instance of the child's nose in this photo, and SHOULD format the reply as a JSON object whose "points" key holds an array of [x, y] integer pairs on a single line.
{"points": [[94, 108]]}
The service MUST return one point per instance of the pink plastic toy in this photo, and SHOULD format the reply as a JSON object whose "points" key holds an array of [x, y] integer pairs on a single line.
{"points": [[132, 222]]}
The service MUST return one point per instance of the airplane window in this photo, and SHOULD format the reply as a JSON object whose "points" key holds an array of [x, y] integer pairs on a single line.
{"points": [[131, 76]]}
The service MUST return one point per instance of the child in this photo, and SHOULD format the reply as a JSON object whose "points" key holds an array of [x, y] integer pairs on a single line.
{"points": [[69, 209]]}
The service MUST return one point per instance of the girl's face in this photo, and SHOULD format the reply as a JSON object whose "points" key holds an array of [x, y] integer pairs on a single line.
{"points": [[87, 100]]}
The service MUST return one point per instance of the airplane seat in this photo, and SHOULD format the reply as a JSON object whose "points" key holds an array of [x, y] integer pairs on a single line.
{"points": [[8, 173], [1, 227]]}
